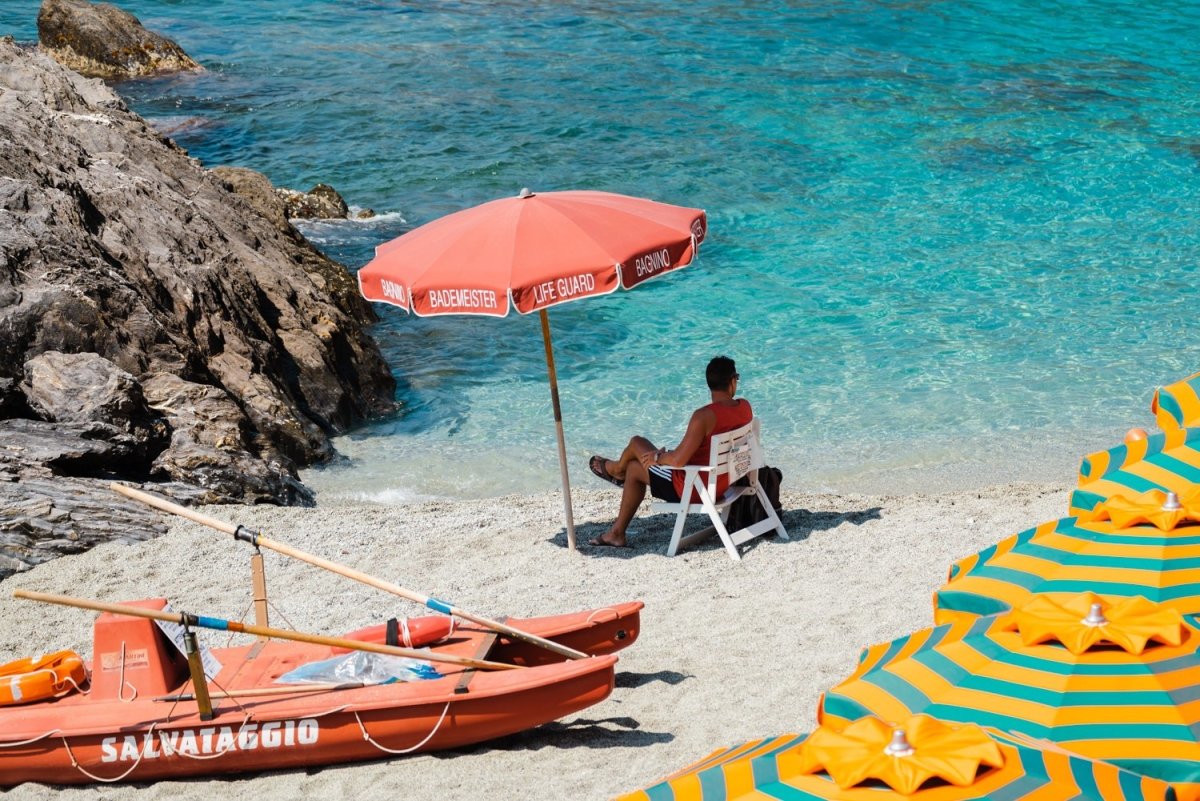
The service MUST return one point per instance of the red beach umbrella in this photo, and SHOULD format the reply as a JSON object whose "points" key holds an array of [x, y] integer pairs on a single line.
{"points": [[532, 252]]}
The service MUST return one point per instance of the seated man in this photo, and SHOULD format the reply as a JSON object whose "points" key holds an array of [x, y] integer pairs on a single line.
{"points": [[640, 464]]}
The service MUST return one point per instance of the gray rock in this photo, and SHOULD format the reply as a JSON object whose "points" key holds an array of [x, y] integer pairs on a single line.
{"points": [[67, 449], [117, 244], [83, 387], [322, 202], [102, 41], [121, 259], [256, 189], [87, 388], [210, 443], [44, 517], [12, 399]]}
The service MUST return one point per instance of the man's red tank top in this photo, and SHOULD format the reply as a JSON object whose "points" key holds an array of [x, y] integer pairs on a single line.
{"points": [[728, 418]]}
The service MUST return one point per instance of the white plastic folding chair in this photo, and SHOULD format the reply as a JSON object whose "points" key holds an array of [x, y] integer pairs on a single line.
{"points": [[735, 453]]}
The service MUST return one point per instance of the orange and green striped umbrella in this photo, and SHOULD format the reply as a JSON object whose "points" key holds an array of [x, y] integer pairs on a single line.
{"points": [[1065, 557], [1168, 460], [931, 761], [1177, 405], [1117, 681]]}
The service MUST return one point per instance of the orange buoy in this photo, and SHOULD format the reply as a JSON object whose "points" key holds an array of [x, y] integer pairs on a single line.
{"points": [[1135, 435], [40, 677], [413, 632]]}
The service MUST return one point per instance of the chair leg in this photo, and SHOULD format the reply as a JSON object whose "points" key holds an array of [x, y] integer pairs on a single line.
{"points": [[718, 521], [680, 520], [770, 510]]}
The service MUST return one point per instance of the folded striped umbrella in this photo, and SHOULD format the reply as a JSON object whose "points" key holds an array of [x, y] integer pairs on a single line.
{"points": [[1164, 510], [1117, 681], [928, 761], [1065, 557], [1168, 461], [1177, 405]]}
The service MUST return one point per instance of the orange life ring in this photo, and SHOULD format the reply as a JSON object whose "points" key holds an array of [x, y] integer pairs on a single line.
{"points": [[38, 678]]}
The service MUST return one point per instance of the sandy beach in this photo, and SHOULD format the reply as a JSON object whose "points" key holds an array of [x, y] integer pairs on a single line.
{"points": [[728, 652]]}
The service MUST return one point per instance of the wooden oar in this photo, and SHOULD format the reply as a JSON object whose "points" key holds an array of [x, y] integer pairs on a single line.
{"points": [[254, 538], [200, 621], [260, 692]]}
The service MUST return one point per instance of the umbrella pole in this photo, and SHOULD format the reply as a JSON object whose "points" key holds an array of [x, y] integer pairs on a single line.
{"points": [[562, 443]]}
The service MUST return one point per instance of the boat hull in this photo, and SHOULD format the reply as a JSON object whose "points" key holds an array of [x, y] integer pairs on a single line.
{"points": [[593, 631], [126, 730]]}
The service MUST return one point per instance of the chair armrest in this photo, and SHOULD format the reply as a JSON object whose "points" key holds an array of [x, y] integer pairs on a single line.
{"points": [[699, 468]]}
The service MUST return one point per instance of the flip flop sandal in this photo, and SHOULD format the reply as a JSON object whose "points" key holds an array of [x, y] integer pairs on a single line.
{"points": [[599, 543], [596, 465]]}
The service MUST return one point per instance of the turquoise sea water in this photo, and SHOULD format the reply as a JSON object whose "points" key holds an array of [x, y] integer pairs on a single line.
{"points": [[950, 243]]}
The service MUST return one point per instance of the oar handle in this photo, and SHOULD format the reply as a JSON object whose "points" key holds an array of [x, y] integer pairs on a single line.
{"points": [[164, 505], [220, 624], [517, 634], [395, 589], [256, 539]]}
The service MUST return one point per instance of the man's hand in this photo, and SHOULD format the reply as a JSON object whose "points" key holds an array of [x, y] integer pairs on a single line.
{"points": [[649, 457]]}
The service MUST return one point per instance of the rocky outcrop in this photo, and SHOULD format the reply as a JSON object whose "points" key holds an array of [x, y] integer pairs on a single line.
{"points": [[46, 516], [322, 202], [333, 278], [156, 325], [280, 205], [102, 41], [87, 388]]}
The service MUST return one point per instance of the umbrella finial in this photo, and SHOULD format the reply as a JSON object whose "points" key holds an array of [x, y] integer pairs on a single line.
{"points": [[525, 193], [1095, 616], [1171, 503], [899, 746]]}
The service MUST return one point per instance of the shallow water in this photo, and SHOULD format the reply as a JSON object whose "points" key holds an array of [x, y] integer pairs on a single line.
{"points": [[950, 244]]}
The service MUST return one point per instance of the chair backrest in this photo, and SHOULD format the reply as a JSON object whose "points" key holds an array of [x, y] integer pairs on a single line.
{"points": [[734, 453]]}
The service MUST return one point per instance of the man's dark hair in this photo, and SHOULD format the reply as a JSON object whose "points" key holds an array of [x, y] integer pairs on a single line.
{"points": [[720, 372]]}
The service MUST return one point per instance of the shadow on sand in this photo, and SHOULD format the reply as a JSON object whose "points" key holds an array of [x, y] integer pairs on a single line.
{"points": [[672, 677], [620, 732], [650, 535]]}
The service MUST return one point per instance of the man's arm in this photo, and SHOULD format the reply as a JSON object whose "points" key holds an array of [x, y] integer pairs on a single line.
{"points": [[699, 429]]}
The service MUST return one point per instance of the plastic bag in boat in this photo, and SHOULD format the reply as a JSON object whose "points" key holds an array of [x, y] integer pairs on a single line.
{"points": [[360, 667]]}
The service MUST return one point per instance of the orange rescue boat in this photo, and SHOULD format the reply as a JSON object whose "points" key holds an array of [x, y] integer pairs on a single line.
{"points": [[138, 721]]}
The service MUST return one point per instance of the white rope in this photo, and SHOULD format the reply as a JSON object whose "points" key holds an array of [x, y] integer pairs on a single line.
{"points": [[50, 733], [122, 683], [242, 619], [428, 737], [59, 682], [229, 748], [279, 611], [75, 763], [68, 680], [616, 614], [341, 708]]}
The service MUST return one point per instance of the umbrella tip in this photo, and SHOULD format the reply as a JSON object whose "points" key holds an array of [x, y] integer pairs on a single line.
{"points": [[1095, 616], [1172, 502], [899, 746], [525, 192]]}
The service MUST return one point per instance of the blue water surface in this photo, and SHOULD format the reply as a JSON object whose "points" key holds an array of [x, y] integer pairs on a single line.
{"points": [[950, 243]]}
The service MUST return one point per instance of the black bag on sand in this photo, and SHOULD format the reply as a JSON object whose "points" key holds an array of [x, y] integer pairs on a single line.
{"points": [[746, 510]]}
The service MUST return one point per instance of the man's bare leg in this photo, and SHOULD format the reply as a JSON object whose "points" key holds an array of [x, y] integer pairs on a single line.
{"points": [[636, 447], [636, 481]]}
